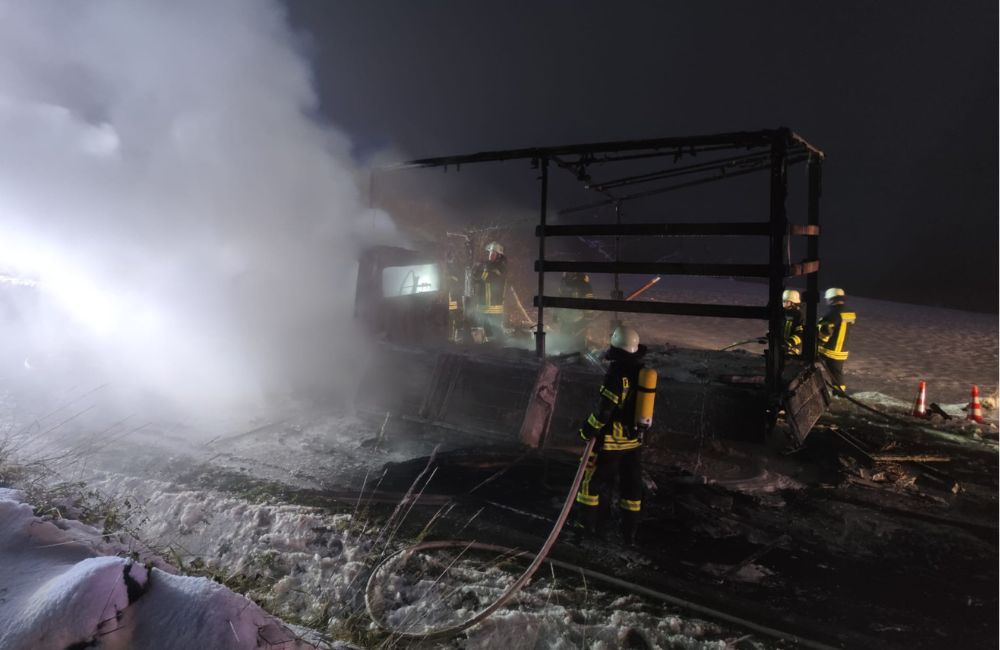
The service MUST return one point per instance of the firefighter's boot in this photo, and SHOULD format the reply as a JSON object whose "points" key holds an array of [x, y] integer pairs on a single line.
{"points": [[629, 526], [601, 522], [589, 516]]}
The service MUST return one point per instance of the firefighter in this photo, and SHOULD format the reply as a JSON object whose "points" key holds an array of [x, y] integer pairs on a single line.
{"points": [[617, 452], [832, 335], [791, 301], [573, 323], [490, 279], [455, 293]]}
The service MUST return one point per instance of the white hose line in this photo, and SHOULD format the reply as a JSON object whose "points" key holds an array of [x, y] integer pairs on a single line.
{"points": [[708, 612], [539, 558], [510, 592]]}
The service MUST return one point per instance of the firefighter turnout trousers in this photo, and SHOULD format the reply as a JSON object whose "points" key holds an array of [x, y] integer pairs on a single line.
{"points": [[595, 494]]}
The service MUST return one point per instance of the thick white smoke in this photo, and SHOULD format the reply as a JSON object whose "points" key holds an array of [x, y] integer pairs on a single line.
{"points": [[191, 225]]}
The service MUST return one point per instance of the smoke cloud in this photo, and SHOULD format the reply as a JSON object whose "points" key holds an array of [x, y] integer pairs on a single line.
{"points": [[191, 226]]}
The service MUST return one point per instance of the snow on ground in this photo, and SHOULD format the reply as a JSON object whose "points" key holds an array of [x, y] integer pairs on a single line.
{"points": [[307, 564], [311, 567], [63, 587], [893, 345], [297, 560]]}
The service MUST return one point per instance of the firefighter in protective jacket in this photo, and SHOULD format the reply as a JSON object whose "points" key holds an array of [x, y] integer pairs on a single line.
{"points": [[490, 280], [791, 301], [832, 335], [573, 323], [619, 445]]}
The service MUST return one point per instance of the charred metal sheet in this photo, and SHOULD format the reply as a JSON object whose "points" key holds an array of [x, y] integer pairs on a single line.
{"points": [[485, 395], [541, 406], [395, 380], [441, 386], [709, 409], [805, 400], [509, 397]]}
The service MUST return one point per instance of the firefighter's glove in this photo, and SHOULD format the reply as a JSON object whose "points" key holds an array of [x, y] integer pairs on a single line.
{"points": [[587, 433]]}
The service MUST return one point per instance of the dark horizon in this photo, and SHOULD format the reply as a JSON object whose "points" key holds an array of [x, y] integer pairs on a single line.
{"points": [[902, 98]]}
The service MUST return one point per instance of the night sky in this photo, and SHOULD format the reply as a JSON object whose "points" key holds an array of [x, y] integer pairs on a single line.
{"points": [[902, 97]]}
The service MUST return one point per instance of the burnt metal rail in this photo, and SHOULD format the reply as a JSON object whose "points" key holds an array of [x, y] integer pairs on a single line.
{"points": [[669, 147]]}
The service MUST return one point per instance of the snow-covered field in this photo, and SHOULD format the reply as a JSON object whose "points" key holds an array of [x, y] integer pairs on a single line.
{"points": [[893, 345], [223, 499], [310, 566]]}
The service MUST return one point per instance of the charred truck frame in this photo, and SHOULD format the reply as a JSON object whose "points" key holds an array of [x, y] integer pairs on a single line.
{"points": [[798, 389]]}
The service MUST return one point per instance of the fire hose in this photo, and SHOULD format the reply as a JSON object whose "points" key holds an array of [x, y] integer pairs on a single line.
{"points": [[540, 557], [888, 416], [832, 387], [757, 339], [632, 296], [509, 593]]}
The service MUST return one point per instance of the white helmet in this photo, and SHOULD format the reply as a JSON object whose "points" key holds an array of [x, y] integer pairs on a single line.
{"points": [[792, 296], [625, 338], [494, 247], [833, 293]]}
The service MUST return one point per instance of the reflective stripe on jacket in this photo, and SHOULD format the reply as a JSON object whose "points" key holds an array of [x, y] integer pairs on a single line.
{"points": [[613, 418], [792, 332], [490, 286], [833, 330]]}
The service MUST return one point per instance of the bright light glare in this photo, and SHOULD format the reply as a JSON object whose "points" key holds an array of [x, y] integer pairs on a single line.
{"points": [[82, 297], [408, 280]]}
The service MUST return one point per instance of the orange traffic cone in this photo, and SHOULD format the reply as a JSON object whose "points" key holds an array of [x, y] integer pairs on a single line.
{"points": [[975, 408], [920, 403]]}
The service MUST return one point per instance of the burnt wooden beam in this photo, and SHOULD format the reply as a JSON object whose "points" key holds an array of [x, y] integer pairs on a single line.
{"points": [[650, 307], [727, 229], [807, 230], [913, 458], [654, 229], [805, 267], [676, 268], [655, 268]]}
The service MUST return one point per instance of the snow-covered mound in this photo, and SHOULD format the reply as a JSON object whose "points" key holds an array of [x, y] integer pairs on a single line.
{"points": [[59, 590]]}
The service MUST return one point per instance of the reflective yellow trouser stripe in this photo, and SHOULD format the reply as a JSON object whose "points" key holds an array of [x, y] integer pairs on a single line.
{"points": [[620, 446], [584, 496], [630, 505], [617, 441]]}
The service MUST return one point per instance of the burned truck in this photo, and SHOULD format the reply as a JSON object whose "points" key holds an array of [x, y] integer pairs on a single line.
{"points": [[402, 295], [530, 397]]}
